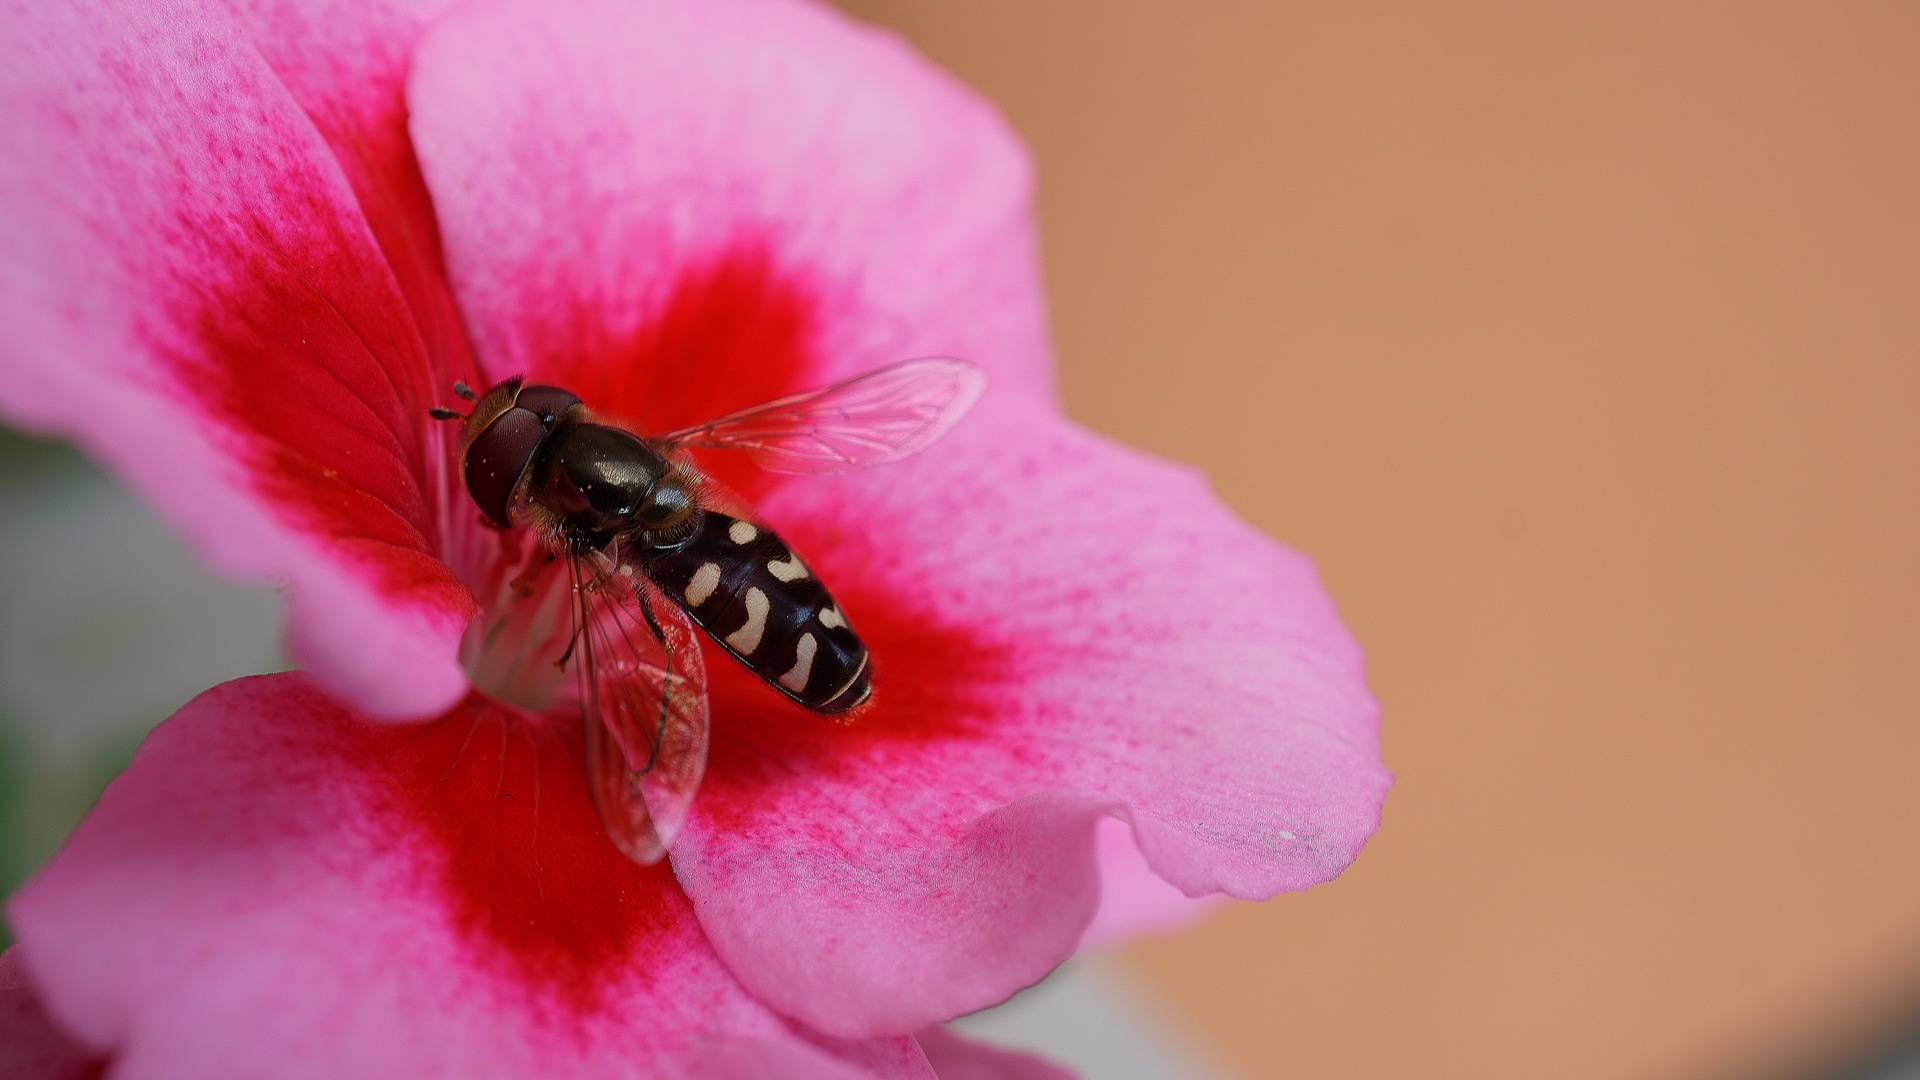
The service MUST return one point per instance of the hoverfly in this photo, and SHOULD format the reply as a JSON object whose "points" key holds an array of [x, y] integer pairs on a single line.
{"points": [[653, 548]]}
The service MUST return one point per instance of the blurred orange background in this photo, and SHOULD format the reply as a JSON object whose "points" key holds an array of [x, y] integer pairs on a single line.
{"points": [[1578, 345]]}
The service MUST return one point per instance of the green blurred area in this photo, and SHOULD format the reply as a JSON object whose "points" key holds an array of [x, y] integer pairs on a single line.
{"points": [[39, 805], [24, 454], [49, 780], [41, 802]]}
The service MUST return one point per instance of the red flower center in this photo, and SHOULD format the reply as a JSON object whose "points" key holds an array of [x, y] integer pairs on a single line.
{"points": [[730, 334]]}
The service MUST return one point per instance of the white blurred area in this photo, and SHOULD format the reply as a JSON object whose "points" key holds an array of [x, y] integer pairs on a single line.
{"points": [[1091, 1016], [108, 625]]}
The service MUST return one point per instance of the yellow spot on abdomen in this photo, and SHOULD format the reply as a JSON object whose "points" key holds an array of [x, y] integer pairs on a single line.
{"points": [[705, 580], [796, 680], [792, 569], [747, 638]]}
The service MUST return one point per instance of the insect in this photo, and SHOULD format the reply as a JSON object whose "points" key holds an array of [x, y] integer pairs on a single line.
{"points": [[652, 548]]}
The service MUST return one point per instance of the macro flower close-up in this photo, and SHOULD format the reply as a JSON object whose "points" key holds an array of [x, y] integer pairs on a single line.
{"points": [[247, 248]]}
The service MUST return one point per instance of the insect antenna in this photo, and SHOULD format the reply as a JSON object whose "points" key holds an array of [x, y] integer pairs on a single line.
{"points": [[460, 390]]}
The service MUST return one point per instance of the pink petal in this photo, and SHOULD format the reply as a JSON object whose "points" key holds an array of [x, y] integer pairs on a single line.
{"points": [[276, 888], [220, 277], [31, 1047], [1062, 630], [955, 1058], [680, 208], [1135, 901]]}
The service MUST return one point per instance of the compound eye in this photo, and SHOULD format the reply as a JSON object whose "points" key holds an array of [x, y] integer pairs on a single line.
{"points": [[496, 459], [667, 504]]}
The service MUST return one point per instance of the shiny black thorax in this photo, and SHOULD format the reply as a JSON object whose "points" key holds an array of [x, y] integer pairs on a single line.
{"points": [[600, 482], [594, 484]]}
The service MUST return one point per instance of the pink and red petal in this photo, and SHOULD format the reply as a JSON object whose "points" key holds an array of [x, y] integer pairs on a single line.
{"points": [[1062, 630], [1135, 901], [31, 1046], [678, 209], [675, 209], [220, 277], [278, 888]]}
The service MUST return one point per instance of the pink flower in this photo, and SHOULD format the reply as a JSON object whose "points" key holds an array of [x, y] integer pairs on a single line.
{"points": [[245, 250]]}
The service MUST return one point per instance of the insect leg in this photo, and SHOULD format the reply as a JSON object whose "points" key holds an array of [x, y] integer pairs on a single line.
{"points": [[666, 679], [653, 621], [582, 635], [573, 639], [616, 636], [523, 585]]}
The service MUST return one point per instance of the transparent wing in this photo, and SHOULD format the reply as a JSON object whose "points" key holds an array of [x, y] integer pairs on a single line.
{"points": [[643, 704], [872, 419]]}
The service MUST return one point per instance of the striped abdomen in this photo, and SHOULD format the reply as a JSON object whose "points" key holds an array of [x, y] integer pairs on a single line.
{"points": [[756, 598]]}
